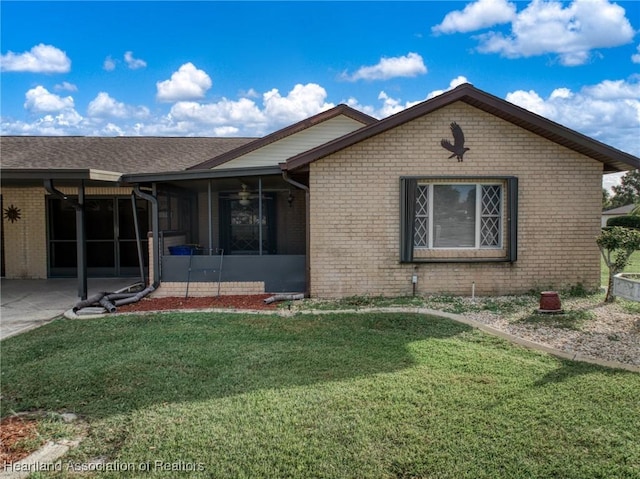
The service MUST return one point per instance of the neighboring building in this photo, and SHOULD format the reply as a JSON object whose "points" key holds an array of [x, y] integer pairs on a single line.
{"points": [[615, 212], [337, 205]]}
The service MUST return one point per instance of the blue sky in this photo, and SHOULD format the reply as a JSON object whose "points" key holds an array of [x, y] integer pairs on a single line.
{"points": [[248, 68]]}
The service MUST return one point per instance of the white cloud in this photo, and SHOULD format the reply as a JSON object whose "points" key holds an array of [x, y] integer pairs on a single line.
{"points": [[226, 117], [608, 112], [40, 59], [614, 90], [246, 117], [410, 65], [391, 106], [188, 83], [65, 86], [300, 103], [111, 129], [226, 131], [109, 64], [459, 80], [477, 15], [40, 100], [635, 58], [104, 106], [571, 32], [611, 180], [134, 63], [222, 113]]}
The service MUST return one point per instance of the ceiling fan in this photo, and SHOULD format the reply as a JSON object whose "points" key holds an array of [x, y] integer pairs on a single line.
{"points": [[245, 196]]}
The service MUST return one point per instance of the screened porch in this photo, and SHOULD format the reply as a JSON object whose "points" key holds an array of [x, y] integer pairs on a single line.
{"points": [[228, 232]]}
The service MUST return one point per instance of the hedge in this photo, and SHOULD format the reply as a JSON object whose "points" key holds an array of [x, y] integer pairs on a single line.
{"points": [[628, 221]]}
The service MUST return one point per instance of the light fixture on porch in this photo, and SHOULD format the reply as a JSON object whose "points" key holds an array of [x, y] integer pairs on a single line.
{"points": [[290, 199], [244, 196]]}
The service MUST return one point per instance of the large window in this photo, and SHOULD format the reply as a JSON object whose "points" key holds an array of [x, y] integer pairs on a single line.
{"points": [[475, 217], [458, 215]]}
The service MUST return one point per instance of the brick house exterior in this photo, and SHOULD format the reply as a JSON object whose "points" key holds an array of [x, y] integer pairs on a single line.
{"points": [[357, 251], [364, 207], [549, 228]]}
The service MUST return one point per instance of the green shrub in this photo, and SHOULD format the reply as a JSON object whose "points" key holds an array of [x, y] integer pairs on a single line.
{"points": [[628, 221]]}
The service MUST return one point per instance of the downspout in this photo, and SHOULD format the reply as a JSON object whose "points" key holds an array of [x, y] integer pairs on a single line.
{"points": [[307, 233], [260, 215], [155, 231], [138, 240], [81, 247], [210, 217]]}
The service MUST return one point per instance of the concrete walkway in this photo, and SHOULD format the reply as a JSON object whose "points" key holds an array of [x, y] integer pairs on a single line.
{"points": [[29, 303]]}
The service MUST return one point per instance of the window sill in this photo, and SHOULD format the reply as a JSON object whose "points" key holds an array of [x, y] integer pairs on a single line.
{"points": [[460, 254], [459, 260]]}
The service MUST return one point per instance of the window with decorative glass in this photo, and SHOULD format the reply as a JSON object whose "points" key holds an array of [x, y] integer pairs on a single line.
{"points": [[458, 215], [458, 219]]}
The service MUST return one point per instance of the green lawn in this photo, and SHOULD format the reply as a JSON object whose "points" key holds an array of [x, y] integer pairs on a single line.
{"points": [[335, 396], [633, 266]]}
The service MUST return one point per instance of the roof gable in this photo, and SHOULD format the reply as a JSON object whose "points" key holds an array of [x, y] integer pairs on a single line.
{"points": [[324, 127], [613, 159]]}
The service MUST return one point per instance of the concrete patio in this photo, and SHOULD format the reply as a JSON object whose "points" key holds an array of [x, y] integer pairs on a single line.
{"points": [[29, 303]]}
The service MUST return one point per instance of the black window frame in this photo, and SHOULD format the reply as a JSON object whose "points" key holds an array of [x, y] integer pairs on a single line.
{"points": [[408, 194]]}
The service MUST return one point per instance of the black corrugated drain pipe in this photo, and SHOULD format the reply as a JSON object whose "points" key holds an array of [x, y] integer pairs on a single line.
{"points": [[111, 301]]}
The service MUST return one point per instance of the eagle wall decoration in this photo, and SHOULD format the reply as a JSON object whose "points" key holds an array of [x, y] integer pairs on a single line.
{"points": [[458, 149]]}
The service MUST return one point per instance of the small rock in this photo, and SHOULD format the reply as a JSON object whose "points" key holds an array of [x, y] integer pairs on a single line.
{"points": [[69, 417]]}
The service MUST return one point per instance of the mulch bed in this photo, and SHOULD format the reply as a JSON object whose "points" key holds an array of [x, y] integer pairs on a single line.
{"points": [[209, 302], [15, 432]]}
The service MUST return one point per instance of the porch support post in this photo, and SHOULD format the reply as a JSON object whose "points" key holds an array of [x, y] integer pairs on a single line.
{"points": [[260, 213], [81, 240], [210, 215], [136, 225], [155, 230]]}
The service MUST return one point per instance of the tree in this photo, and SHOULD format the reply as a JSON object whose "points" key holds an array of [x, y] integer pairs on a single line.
{"points": [[606, 199], [628, 191], [616, 245]]}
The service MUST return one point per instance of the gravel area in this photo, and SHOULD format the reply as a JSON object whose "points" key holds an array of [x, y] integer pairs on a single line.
{"points": [[594, 329]]}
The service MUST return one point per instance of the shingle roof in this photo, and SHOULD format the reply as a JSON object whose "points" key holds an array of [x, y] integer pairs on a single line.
{"points": [[620, 210], [119, 154], [613, 159]]}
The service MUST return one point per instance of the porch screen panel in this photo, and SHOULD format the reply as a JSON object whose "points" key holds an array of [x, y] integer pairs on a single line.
{"points": [[62, 236], [240, 226]]}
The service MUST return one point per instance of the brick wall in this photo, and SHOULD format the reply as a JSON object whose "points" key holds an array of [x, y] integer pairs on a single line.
{"points": [[355, 213], [25, 240], [179, 289]]}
